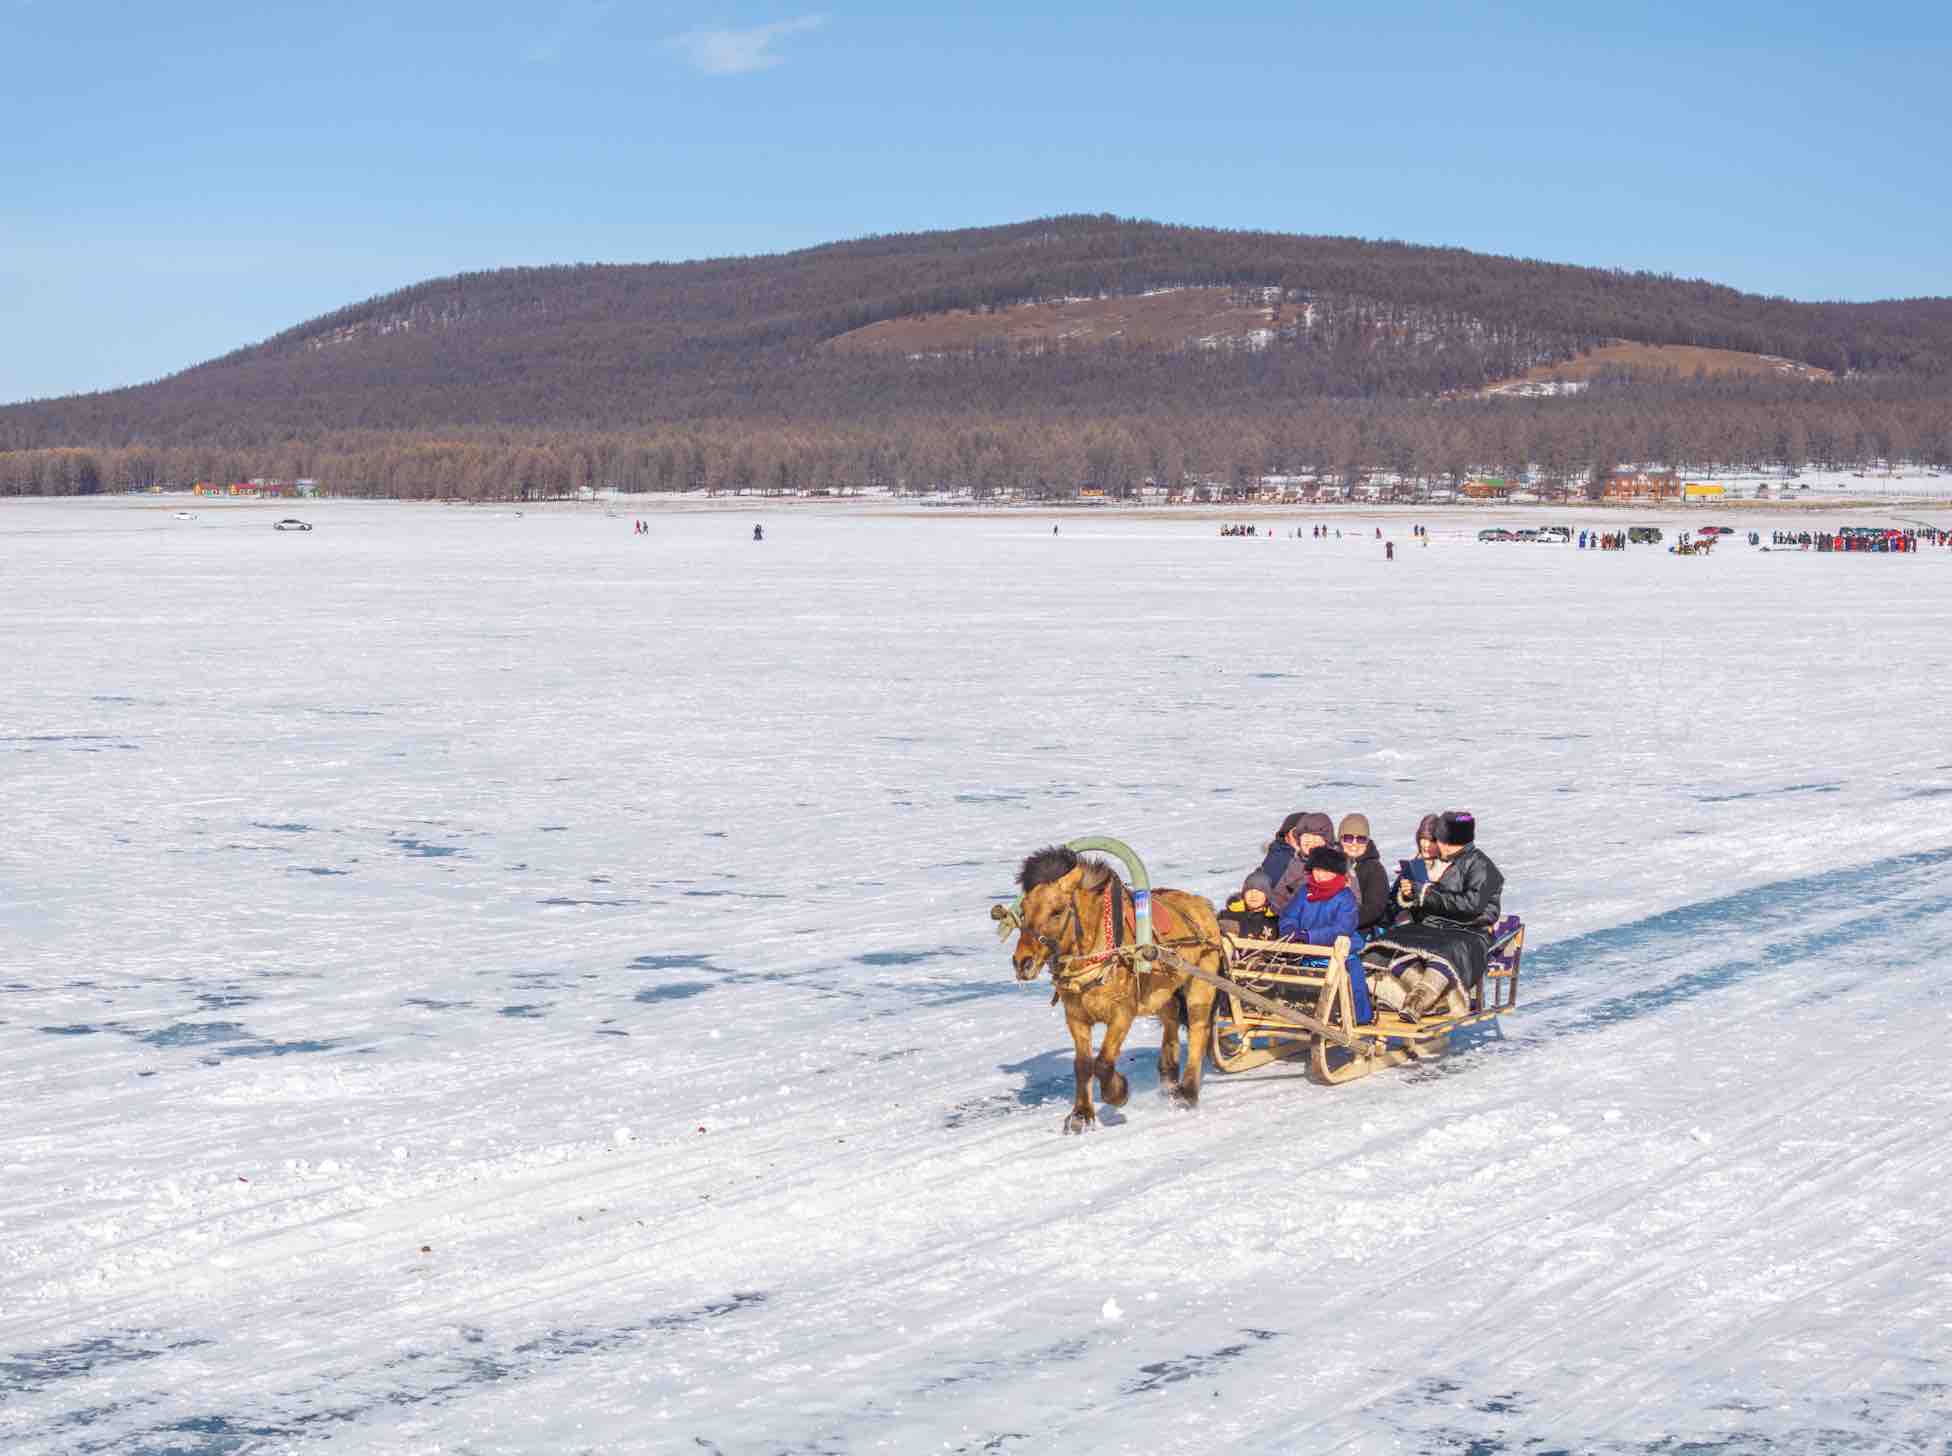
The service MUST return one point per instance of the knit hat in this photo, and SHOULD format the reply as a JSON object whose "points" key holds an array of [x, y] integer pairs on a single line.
{"points": [[1257, 881], [1353, 824], [1328, 857], [1456, 827], [1315, 824]]}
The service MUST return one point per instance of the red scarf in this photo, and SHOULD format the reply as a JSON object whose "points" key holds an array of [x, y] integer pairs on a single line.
{"points": [[1326, 889]]}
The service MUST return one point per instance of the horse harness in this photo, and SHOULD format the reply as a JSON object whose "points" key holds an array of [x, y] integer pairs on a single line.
{"points": [[1118, 928]]}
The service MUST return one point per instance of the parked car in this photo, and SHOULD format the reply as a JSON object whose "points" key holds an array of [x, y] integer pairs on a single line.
{"points": [[1716, 531], [1558, 535], [1644, 535], [1496, 533], [290, 523]]}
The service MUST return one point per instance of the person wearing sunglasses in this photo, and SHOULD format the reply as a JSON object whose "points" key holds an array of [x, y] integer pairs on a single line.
{"points": [[1367, 877]]}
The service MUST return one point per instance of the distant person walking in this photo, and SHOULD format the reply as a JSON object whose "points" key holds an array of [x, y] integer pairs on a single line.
{"points": [[758, 533], [1389, 551]]}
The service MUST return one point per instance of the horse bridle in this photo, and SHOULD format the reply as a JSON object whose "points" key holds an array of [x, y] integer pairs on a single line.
{"points": [[1053, 952], [1115, 895]]}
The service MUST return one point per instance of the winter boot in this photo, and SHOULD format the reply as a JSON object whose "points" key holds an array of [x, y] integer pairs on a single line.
{"points": [[1426, 988], [1388, 992]]}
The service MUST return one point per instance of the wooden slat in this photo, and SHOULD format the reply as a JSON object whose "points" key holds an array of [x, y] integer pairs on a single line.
{"points": [[1266, 1005], [1277, 947]]}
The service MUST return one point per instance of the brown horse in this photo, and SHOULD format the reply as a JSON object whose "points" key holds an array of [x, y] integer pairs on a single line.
{"points": [[1065, 917]]}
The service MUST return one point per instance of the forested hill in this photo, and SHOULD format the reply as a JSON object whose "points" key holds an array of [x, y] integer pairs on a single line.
{"points": [[1262, 322]]}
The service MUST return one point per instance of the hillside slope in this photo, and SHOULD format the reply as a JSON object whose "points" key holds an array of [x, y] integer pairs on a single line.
{"points": [[621, 345], [1149, 350]]}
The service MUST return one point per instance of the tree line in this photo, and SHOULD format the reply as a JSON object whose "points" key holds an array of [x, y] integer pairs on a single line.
{"points": [[1695, 426], [617, 347]]}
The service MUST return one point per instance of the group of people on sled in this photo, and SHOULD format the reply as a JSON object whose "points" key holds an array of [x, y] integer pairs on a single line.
{"points": [[1434, 917]]}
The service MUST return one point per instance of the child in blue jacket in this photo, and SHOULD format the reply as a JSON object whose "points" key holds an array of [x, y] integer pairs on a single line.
{"points": [[1326, 908]]}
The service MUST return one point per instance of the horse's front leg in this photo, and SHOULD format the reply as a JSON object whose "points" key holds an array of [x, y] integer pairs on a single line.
{"points": [[1111, 1082], [1083, 1115]]}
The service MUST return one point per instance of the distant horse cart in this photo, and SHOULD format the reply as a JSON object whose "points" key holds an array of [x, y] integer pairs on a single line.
{"points": [[1115, 953]]}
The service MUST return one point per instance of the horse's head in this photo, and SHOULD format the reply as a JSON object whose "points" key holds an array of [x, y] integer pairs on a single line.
{"points": [[1049, 921]]}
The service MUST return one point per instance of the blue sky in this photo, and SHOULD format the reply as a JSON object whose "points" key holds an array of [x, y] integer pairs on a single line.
{"points": [[179, 181]]}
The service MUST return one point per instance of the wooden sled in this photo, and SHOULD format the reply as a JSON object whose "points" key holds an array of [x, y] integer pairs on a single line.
{"points": [[1298, 1002]]}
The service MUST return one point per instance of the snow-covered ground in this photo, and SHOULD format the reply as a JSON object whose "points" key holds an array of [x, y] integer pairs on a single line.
{"points": [[480, 984]]}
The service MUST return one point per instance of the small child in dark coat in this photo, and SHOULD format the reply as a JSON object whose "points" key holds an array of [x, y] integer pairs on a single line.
{"points": [[1248, 914]]}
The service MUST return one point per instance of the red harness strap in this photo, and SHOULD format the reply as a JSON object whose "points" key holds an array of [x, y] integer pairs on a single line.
{"points": [[1162, 920]]}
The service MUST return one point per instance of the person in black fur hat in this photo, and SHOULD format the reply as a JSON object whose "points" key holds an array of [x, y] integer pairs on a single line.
{"points": [[1465, 887], [1452, 913]]}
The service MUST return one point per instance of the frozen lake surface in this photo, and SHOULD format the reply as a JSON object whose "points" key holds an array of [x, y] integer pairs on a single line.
{"points": [[479, 983]]}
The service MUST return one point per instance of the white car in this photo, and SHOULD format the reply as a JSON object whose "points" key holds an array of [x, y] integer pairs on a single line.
{"points": [[186, 515], [1557, 534], [290, 523]]}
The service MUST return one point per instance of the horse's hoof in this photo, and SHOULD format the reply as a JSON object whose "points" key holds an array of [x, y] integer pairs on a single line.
{"points": [[1186, 1099], [1080, 1122], [1119, 1091]]}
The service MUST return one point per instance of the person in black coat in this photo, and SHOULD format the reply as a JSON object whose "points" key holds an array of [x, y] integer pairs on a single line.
{"points": [[1450, 916], [1469, 890], [1281, 850]]}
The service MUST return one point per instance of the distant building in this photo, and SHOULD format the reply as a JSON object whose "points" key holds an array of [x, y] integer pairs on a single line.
{"points": [[1641, 485]]}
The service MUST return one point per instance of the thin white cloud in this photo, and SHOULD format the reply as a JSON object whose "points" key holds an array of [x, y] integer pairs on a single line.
{"points": [[735, 52], [574, 22]]}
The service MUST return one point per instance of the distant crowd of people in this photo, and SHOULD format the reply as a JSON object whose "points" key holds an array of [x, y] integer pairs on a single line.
{"points": [[1602, 540], [1859, 538]]}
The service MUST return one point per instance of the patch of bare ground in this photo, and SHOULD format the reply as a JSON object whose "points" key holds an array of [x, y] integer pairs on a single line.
{"points": [[1170, 318], [1682, 359]]}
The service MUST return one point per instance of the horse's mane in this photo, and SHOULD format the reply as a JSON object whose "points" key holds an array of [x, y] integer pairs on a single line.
{"points": [[1054, 862], [1046, 866]]}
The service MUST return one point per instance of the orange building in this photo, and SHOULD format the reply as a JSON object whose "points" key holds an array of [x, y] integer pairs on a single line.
{"points": [[1642, 485]]}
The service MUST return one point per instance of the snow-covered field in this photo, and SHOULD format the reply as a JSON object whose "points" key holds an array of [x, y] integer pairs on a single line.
{"points": [[487, 984]]}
